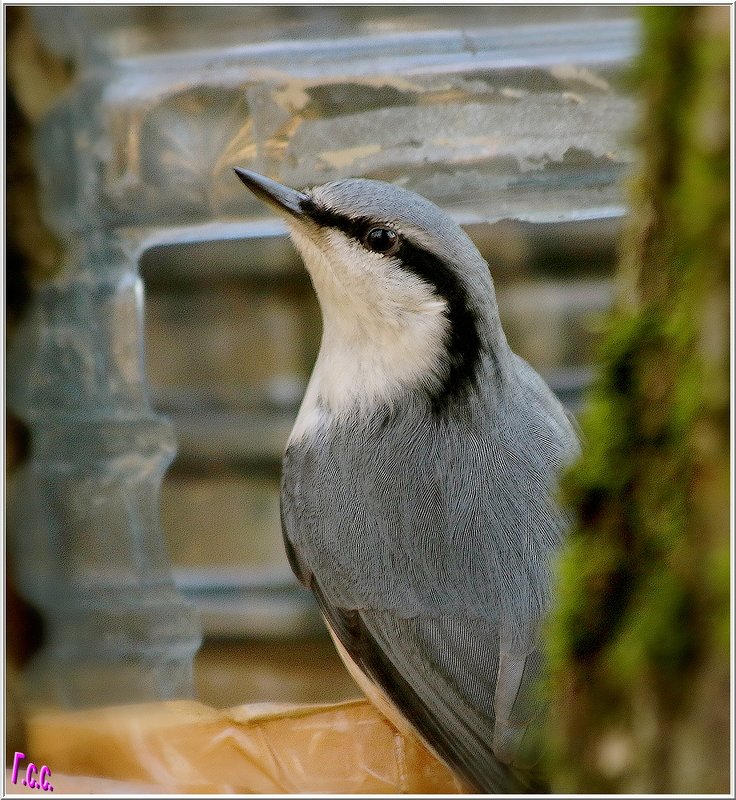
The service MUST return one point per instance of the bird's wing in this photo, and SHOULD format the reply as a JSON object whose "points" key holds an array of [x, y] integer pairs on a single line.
{"points": [[298, 566], [430, 563], [440, 673]]}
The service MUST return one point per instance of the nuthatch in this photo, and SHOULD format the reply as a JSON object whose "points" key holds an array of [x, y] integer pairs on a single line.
{"points": [[418, 489]]}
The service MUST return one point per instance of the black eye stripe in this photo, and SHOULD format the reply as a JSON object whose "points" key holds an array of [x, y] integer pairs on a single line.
{"points": [[356, 228], [463, 341]]}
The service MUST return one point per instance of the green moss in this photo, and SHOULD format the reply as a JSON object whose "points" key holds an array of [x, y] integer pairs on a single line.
{"points": [[643, 588]]}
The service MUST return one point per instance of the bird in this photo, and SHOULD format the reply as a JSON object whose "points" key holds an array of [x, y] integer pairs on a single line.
{"points": [[419, 482]]}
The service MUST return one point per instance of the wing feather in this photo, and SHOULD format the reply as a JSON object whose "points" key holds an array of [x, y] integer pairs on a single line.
{"points": [[406, 665], [428, 546]]}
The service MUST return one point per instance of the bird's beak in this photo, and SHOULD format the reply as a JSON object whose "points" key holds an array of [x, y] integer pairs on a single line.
{"points": [[279, 197]]}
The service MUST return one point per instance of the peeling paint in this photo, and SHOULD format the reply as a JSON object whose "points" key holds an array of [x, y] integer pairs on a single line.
{"points": [[571, 97], [568, 72], [291, 98], [339, 159], [489, 143], [514, 94], [293, 95]]}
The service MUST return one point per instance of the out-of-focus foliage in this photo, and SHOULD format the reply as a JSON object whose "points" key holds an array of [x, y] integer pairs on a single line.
{"points": [[639, 642]]}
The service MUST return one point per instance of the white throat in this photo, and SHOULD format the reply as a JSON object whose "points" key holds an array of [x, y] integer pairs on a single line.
{"points": [[383, 332]]}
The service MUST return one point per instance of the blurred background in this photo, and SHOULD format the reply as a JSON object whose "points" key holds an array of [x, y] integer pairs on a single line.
{"points": [[515, 120], [124, 124]]}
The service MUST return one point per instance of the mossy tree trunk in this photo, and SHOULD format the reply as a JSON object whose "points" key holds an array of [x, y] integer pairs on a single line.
{"points": [[639, 641]]}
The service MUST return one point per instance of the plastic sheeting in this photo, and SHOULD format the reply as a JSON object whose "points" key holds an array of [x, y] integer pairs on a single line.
{"points": [[185, 746]]}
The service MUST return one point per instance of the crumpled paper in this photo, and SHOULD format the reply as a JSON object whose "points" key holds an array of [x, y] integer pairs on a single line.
{"points": [[186, 746]]}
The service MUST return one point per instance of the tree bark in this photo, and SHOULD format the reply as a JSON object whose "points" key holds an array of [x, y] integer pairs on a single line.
{"points": [[639, 641]]}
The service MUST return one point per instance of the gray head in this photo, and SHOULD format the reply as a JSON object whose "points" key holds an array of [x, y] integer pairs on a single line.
{"points": [[406, 298]]}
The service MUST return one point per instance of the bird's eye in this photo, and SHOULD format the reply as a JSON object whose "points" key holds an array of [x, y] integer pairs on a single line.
{"points": [[381, 239]]}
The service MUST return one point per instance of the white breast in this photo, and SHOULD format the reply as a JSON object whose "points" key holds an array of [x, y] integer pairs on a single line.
{"points": [[383, 330]]}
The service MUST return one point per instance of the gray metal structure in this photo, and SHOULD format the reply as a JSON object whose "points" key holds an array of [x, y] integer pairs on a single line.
{"points": [[514, 120]]}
